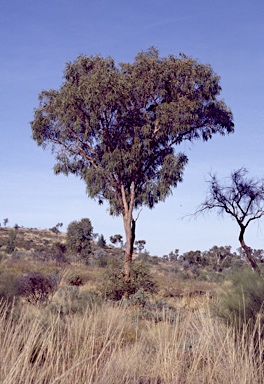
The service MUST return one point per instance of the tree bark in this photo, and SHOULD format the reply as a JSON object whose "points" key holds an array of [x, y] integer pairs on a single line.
{"points": [[248, 251], [130, 228]]}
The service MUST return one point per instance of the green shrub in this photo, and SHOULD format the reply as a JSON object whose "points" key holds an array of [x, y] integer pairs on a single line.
{"points": [[242, 304], [114, 285]]}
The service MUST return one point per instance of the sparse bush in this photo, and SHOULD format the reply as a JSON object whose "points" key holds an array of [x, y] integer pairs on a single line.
{"points": [[10, 247], [242, 304], [101, 258], [18, 255], [75, 280], [157, 310], [55, 230], [58, 253], [70, 300], [27, 244], [114, 285], [8, 285], [36, 288], [101, 241]]}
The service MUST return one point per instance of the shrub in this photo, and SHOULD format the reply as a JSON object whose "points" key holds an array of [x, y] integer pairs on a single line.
{"points": [[156, 310], [242, 304], [101, 241], [8, 285], [58, 252], [114, 285], [70, 299], [18, 255], [36, 288], [75, 280], [101, 258], [10, 247]]}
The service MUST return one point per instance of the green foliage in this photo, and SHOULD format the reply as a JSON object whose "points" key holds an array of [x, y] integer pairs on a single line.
{"points": [[242, 304], [79, 236], [218, 258], [10, 247], [117, 127], [114, 285], [117, 239], [140, 244], [122, 122]]}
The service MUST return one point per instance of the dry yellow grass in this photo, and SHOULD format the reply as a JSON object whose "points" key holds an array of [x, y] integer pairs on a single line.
{"points": [[104, 345]]}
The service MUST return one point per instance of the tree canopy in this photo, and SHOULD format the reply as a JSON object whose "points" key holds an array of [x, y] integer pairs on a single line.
{"points": [[117, 126], [79, 236]]}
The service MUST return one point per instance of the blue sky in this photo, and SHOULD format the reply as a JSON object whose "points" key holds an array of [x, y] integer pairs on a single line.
{"points": [[39, 37]]}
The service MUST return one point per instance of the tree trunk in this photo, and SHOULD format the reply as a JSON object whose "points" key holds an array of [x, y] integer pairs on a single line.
{"points": [[130, 227], [248, 251]]}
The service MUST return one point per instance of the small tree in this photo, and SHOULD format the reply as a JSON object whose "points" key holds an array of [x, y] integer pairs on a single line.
{"points": [[101, 241], [218, 257], [242, 198], [114, 286], [5, 222], [173, 256], [55, 229], [117, 127], [140, 244], [79, 235], [117, 239]]}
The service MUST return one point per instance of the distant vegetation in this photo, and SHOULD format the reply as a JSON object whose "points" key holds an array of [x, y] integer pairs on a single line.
{"points": [[191, 317]]}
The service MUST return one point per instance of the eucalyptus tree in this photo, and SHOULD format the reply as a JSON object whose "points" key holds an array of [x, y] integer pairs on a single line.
{"points": [[117, 239], [79, 236], [140, 244], [117, 127], [242, 198]]}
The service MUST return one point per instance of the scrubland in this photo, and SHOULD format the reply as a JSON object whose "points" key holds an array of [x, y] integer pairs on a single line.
{"points": [[109, 344], [77, 335]]}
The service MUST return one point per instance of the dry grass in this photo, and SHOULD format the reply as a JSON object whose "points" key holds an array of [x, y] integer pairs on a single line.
{"points": [[107, 345]]}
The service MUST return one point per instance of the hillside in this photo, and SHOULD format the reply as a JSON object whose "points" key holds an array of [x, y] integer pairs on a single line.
{"points": [[60, 321], [45, 250], [27, 239]]}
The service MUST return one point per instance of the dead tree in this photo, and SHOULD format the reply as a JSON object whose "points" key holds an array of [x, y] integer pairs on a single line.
{"points": [[242, 198]]}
